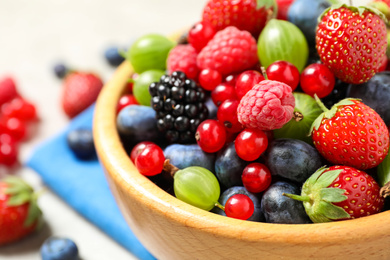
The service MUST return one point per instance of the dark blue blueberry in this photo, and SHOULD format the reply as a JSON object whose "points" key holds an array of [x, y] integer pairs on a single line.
{"points": [[229, 167], [138, 123], [280, 209], [80, 141], [113, 56], [185, 155], [304, 14], [375, 93], [257, 214], [338, 93], [56, 248], [292, 159], [212, 108], [60, 70]]}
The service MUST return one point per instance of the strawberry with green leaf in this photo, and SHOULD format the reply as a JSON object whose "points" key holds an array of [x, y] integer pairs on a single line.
{"points": [[351, 42], [351, 133], [249, 15], [19, 212], [339, 193]]}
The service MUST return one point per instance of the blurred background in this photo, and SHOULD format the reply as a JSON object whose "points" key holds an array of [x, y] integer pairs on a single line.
{"points": [[35, 35]]}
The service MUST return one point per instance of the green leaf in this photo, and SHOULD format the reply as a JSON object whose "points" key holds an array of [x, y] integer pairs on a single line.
{"points": [[33, 213], [327, 178], [313, 178], [331, 211], [345, 102], [317, 123], [19, 199], [16, 185], [267, 4], [333, 194]]}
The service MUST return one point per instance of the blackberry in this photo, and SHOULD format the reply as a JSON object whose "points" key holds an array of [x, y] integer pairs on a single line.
{"points": [[180, 107]]}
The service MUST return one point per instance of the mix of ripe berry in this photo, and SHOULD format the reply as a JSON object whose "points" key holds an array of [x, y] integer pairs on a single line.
{"points": [[232, 137], [16, 114]]}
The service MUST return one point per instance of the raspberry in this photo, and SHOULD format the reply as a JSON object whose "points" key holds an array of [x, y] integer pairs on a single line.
{"points": [[230, 50], [267, 106], [183, 58]]}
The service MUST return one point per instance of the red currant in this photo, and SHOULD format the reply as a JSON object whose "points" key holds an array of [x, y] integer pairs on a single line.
{"points": [[210, 136], [250, 144], [256, 177], [317, 79], [20, 109], [246, 80], [14, 127], [227, 114], [231, 79], [200, 34], [150, 161], [126, 100], [283, 6], [223, 92], [209, 79], [8, 154], [284, 71], [137, 149], [239, 206]]}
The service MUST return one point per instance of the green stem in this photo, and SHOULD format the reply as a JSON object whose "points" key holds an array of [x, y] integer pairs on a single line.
{"points": [[264, 72], [320, 104], [297, 197], [219, 205]]}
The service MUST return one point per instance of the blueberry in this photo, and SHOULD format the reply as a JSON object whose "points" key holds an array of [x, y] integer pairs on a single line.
{"points": [[257, 214], [57, 248], [229, 166], [113, 56], [185, 155], [80, 141], [138, 123], [212, 108], [280, 209], [304, 14], [60, 70], [292, 159], [375, 93], [338, 93]]}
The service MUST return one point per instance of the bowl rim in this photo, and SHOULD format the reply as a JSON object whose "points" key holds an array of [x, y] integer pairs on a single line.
{"points": [[124, 174]]}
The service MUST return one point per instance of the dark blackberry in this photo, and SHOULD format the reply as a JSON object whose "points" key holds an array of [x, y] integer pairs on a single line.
{"points": [[338, 93], [180, 107]]}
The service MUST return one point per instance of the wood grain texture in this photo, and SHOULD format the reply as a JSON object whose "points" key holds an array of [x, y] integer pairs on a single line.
{"points": [[172, 229]]}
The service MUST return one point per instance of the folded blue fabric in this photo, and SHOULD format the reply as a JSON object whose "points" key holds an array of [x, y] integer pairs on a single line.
{"points": [[83, 186]]}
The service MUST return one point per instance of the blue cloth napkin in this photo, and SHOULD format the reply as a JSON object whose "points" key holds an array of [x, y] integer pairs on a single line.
{"points": [[83, 186]]}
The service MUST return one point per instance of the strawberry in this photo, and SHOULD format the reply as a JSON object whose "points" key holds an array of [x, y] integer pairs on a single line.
{"points": [[80, 91], [352, 42], [351, 133], [249, 15], [19, 212], [339, 193], [7, 90]]}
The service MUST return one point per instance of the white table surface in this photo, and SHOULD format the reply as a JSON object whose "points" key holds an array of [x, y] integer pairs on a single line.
{"points": [[36, 34]]}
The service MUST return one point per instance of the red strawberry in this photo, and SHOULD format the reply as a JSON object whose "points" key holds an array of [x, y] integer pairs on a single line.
{"points": [[249, 15], [351, 133], [7, 90], [19, 212], [80, 91], [352, 42], [339, 193]]}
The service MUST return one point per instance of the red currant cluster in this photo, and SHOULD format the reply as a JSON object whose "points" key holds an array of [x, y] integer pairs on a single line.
{"points": [[15, 115]]}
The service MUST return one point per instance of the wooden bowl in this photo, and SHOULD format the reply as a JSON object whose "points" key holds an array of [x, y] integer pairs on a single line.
{"points": [[172, 229]]}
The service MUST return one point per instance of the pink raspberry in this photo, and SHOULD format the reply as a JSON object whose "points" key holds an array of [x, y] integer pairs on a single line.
{"points": [[267, 106], [183, 58], [229, 51]]}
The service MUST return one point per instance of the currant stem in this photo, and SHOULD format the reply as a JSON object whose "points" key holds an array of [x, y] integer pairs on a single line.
{"points": [[385, 190], [298, 116], [170, 168], [219, 205], [264, 72], [297, 197], [320, 104]]}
